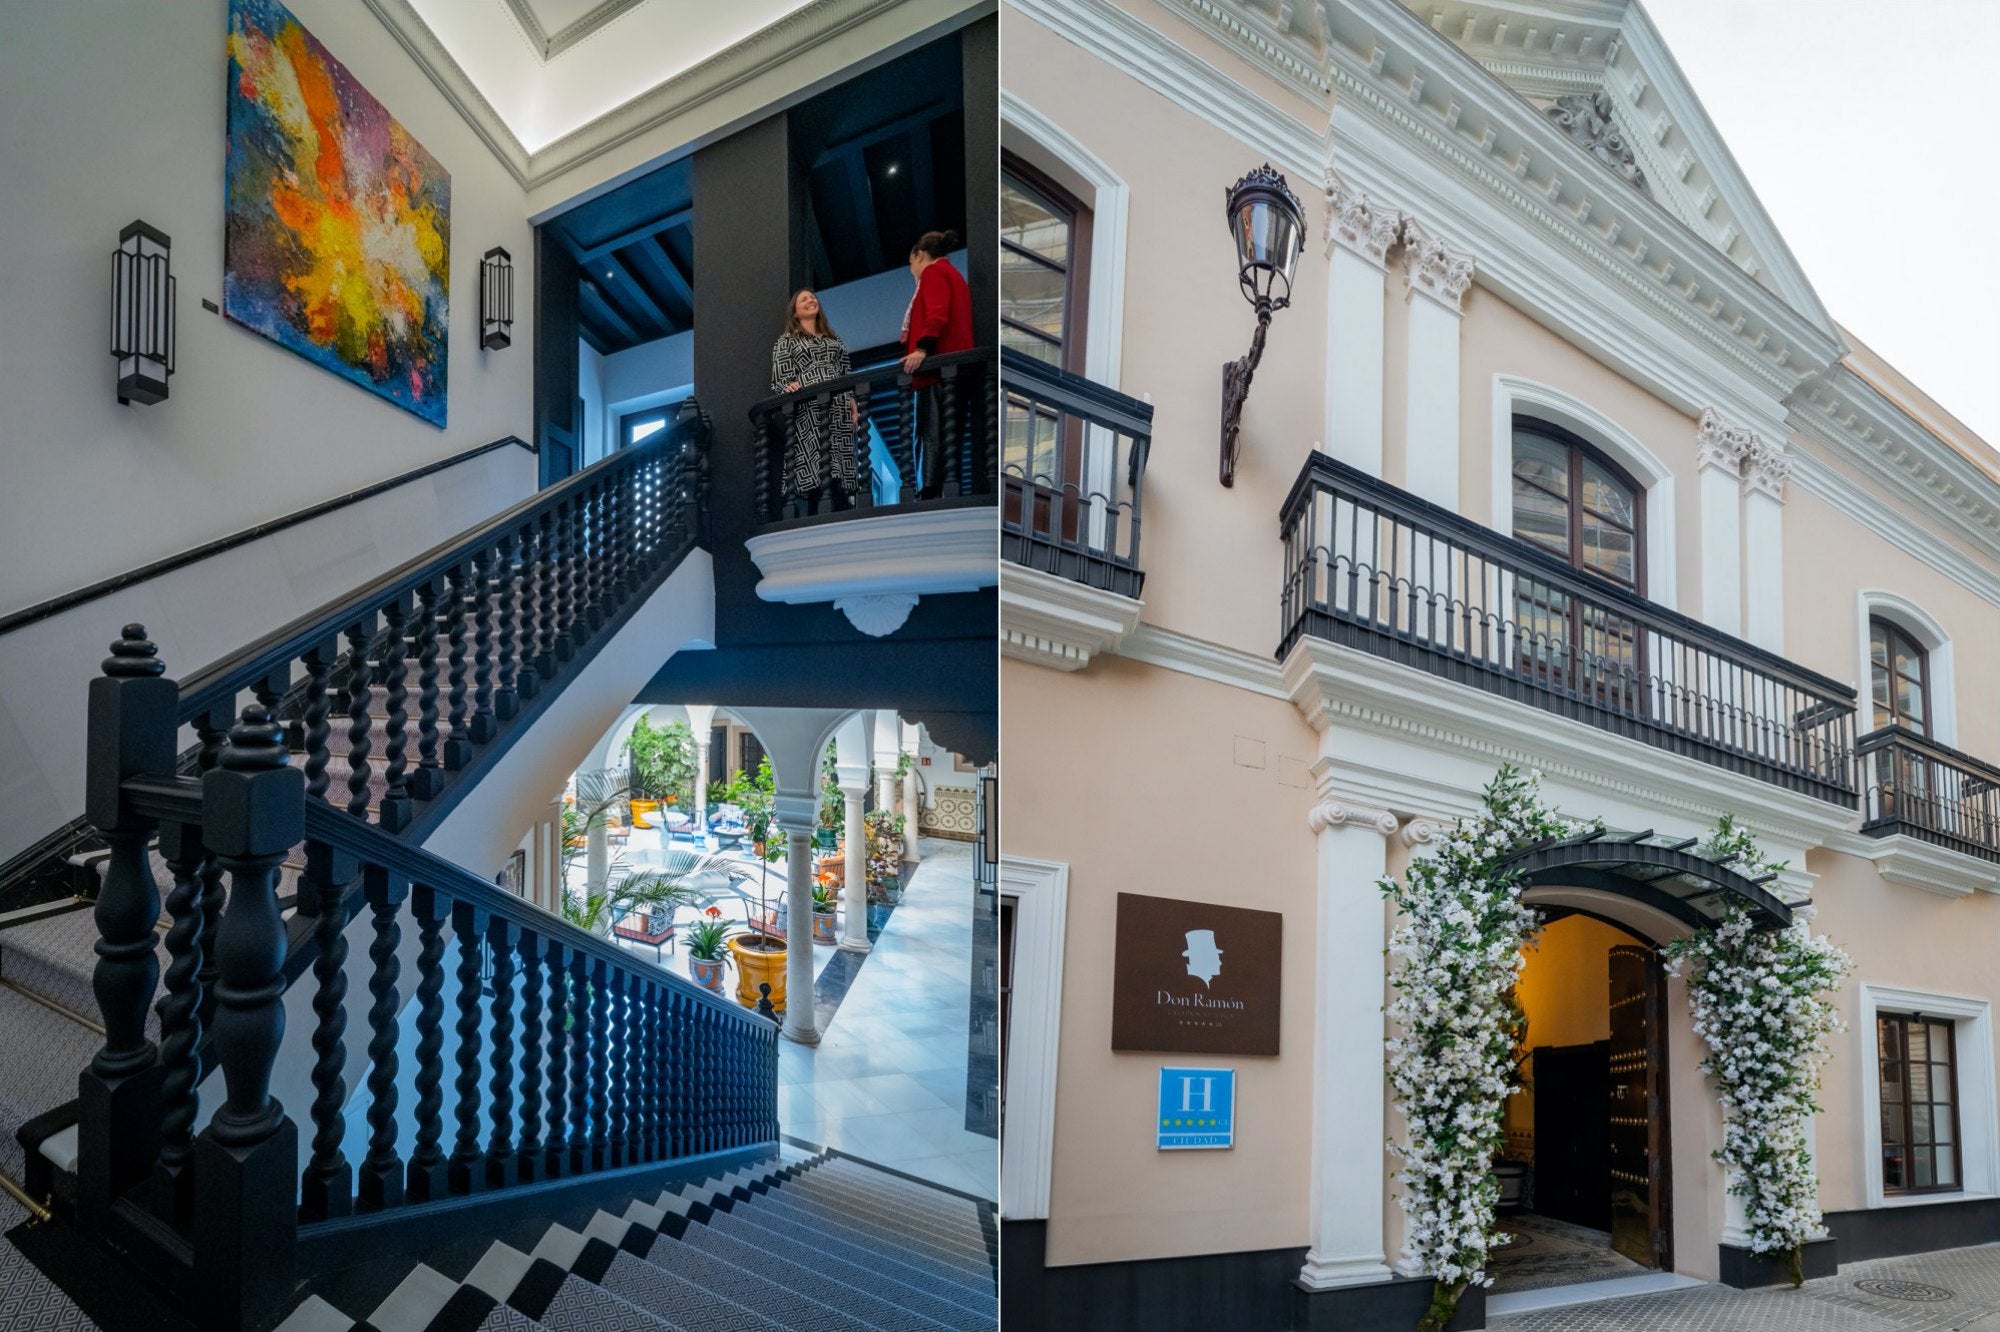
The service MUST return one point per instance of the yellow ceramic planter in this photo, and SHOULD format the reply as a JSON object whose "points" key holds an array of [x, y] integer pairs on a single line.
{"points": [[755, 966], [640, 809]]}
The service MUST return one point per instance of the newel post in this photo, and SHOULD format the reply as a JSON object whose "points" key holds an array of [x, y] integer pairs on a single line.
{"points": [[246, 1160], [131, 734]]}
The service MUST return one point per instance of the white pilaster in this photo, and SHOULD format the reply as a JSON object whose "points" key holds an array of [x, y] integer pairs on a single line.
{"points": [[701, 720], [1765, 469], [1359, 233], [1348, 1079], [1719, 452], [597, 855], [798, 825], [1438, 274], [854, 936], [913, 745]]}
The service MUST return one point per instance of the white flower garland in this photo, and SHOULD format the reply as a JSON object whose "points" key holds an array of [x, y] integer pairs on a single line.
{"points": [[1762, 1003], [1457, 954]]}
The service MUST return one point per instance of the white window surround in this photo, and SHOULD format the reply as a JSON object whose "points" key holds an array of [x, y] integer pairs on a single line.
{"points": [[1978, 1129], [1040, 889], [1906, 615], [1513, 395]]}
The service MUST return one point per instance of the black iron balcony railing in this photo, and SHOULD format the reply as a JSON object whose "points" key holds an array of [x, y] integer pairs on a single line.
{"points": [[1913, 785], [1375, 568], [1073, 457], [938, 430]]}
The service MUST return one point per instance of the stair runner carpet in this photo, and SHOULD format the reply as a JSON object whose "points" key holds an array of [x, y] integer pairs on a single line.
{"points": [[823, 1244]]}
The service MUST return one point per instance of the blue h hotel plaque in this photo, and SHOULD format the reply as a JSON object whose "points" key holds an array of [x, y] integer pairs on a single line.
{"points": [[1197, 1108]]}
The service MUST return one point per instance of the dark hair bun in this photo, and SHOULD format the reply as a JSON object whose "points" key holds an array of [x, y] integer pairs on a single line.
{"points": [[936, 244]]}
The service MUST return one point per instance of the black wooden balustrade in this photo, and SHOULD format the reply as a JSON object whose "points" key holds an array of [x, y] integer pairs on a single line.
{"points": [[941, 438], [1372, 567], [1072, 463], [1914, 786]]}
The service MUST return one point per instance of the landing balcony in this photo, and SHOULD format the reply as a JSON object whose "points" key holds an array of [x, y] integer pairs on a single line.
{"points": [[1912, 786], [1371, 567]]}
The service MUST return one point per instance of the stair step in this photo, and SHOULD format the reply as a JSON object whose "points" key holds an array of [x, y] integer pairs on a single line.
{"points": [[28, 1297], [895, 1265], [861, 1229], [690, 1306], [911, 1193], [912, 1200], [872, 1215], [412, 1305], [762, 1253], [41, 1053], [644, 1282], [54, 958]]}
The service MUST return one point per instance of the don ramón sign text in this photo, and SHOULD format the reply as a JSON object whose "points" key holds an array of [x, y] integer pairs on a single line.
{"points": [[1194, 977]]}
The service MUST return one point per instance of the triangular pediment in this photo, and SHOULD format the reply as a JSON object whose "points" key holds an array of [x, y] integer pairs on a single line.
{"points": [[1600, 70]]}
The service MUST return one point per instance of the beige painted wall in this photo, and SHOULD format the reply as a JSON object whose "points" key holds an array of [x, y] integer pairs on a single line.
{"points": [[1186, 820]]}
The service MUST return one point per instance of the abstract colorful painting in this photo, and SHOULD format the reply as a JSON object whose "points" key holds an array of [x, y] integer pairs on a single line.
{"points": [[337, 223]]}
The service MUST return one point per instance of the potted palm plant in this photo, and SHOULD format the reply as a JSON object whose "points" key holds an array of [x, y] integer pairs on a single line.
{"points": [[708, 949]]}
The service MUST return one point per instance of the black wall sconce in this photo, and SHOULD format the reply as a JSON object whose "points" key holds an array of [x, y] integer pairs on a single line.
{"points": [[496, 300], [1268, 225], [142, 313]]}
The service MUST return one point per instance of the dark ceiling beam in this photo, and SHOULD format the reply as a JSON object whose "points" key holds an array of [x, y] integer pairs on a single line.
{"points": [[678, 284], [603, 312], [861, 199], [626, 285], [650, 270], [678, 218], [883, 132]]}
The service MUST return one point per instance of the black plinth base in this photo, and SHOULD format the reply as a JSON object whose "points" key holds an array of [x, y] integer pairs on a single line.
{"points": [[1385, 1306], [1746, 1270]]}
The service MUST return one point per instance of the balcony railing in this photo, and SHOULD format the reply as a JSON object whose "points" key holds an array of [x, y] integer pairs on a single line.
{"points": [[1372, 567], [1073, 457], [938, 435], [1915, 786]]}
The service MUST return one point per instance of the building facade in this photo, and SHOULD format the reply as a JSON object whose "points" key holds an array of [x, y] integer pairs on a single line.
{"points": [[1554, 460]]}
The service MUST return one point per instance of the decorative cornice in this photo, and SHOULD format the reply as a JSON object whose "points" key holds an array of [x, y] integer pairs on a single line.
{"points": [[1057, 622], [1765, 468], [1158, 646], [877, 614], [1914, 863], [547, 46], [1587, 119], [1251, 30], [1720, 445], [1357, 223], [1435, 267], [1336, 812]]}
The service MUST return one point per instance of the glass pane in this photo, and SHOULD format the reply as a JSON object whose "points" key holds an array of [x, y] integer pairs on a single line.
{"points": [[1895, 1172], [1604, 494], [1907, 660], [1040, 348], [1917, 1042], [1910, 701], [1941, 1084], [1947, 1168], [1922, 1176], [1878, 643], [1920, 1082], [1026, 221], [1541, 518], [1879, 680], [1920, 1123], [1543, 462], [1892, 1125], [1609, 551], [1030, 293]]}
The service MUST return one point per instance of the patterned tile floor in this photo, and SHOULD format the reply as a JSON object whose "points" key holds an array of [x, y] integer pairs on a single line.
{"points": [[1933, 1292], [888, 1080]]}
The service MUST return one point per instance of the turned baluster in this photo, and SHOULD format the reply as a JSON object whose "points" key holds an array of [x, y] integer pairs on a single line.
{"points": [[663, 1061], [327, 1188], [457, 746], [644, 1113], [765, 471], [986, 475], [316, 708], [548, 574], [912, 449], [527, 675], [619, 1118], [481, 727], [131, 734], [569, 627], [468, 1174], [556, 1149], [246, 1161], [589, 546], [211, 729], [502, 1171], [180, 1008], [360, 725], [398, 806], [506, 696], [600, 1065], [696, 496], [864, 456], [953, 458], [581, 1037], [528, 1156], [427, 781], [381, 1175], [428, 1176]]}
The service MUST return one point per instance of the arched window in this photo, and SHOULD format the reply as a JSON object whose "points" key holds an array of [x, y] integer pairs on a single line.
{"points": [[1581, 507], [1900, 675], [1044, 266]]}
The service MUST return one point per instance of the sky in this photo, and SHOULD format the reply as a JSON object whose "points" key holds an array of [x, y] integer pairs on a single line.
{"points": [[1866, 129]]}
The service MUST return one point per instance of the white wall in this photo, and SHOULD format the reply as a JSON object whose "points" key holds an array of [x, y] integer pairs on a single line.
{"points": [[597, 431], [113, 110], [647, 375]]}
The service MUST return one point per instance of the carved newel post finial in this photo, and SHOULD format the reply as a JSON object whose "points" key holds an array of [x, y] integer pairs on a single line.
{"points": [[134, 655], [764, 1008]]}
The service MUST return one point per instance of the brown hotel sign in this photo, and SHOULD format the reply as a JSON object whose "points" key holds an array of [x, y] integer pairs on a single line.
{"points": [[1195, 978]]}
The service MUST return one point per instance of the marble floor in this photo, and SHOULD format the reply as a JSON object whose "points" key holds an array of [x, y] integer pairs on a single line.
{"points": [[887, 1081]]}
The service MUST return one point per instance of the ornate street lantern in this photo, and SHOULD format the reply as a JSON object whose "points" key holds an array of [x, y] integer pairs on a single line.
{"points": [[1268, 225], [496, 300], [142, 313]]}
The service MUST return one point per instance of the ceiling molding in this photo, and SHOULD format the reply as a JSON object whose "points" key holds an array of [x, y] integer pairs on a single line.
{"points": [[791, 36], [547, 46]]}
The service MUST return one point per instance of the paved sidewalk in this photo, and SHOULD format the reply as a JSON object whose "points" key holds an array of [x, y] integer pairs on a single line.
{"points": [[1931, 1292], [887, 1082]]}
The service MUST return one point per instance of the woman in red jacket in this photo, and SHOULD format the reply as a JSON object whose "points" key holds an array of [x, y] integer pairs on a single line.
{"points": [[938, 322]]}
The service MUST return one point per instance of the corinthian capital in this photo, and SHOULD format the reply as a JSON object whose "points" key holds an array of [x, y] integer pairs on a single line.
{"points": [[1334, 812], [1435, 267], [1357, 223], [1722, 445], [1765, 468]]}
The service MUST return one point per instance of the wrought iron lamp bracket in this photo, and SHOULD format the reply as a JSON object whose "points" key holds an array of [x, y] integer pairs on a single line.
{"points": [[1236, 376]]}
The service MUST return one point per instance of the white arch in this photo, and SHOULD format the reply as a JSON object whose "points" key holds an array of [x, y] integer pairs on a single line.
{"points": [[1514, 394], [1919, 624]]}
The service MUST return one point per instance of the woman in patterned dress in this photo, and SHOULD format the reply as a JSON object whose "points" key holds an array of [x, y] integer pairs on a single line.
{"points": [[820, 448]]}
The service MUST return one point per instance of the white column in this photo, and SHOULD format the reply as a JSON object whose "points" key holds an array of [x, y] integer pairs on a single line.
{"points": [[597, 856], [913, 745], [797, 820], [1348, 1078], [1359, 233], [1764, 472], [701, 720], [1439, 274], [854, 936], [1719, 451]]}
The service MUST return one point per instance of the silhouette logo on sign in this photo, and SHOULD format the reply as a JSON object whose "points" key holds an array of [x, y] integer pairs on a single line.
{"points": [[1171, 989], [1204, 959]]}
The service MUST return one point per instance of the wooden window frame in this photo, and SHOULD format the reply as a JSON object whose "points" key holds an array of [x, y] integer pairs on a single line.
{"points": [[1579, 450], [1076, 272], [1892, 632], [1909, 1145]]}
